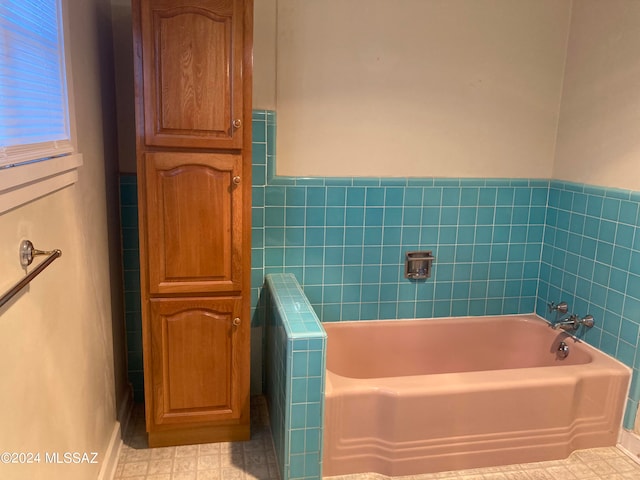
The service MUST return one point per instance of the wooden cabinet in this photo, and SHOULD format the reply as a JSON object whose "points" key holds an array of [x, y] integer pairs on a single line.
{"points": [[193, 125], [194, 222], [192, 72], [197, 359]]}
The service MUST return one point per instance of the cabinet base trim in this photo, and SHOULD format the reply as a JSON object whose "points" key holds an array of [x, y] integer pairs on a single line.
{"points": [[191, 435]]}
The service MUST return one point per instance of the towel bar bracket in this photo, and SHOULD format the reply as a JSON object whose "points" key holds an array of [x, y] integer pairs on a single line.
{"points": [[27, 252]]}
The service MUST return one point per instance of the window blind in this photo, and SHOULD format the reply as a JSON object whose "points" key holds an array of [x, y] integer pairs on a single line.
{"points": [[34, 116]]}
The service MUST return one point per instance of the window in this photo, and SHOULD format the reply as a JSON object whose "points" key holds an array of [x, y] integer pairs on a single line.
{"points": [[36, 151]]}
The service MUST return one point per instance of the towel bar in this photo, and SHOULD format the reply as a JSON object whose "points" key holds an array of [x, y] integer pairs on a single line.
{"points": [[27, 252]]}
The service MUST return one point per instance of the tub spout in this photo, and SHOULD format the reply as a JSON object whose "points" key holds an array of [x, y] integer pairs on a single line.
{"points": [[571, 324]]}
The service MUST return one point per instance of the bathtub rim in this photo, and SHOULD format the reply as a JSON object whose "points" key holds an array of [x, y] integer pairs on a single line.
{"points": [[598, 359]]}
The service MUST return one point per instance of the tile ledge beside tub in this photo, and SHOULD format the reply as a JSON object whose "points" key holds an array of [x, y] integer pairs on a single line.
{"points": [[295, 375]]}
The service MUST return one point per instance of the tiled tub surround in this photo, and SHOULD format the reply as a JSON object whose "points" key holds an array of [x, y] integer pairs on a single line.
{"points": [[295, 371], [345, 240], [591, 260]]}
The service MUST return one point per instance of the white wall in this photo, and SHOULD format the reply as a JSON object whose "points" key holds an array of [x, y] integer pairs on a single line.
{"points": [[598, 140], [62, 340], [264, 54], [449, 88]]}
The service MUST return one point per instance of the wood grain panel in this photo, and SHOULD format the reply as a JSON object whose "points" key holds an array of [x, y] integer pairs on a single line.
{"points": [[198, 359], [187, 103], [194, 219], [193, 72]]}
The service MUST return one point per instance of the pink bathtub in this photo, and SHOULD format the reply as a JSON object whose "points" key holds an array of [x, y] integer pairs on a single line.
{"points": [[405, 397]]}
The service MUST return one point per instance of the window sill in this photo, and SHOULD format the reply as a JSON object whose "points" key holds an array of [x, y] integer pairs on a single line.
{"points": [[25, 183]]}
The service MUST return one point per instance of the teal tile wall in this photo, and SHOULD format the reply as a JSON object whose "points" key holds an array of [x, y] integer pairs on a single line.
{"points": [[591, 260], [131, 269], [263, 147], [295, 366], [345, 239]]}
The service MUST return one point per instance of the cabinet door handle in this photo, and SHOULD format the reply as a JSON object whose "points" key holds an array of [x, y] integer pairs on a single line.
{"points": [[236, 180], [237, 123], [236, 321]]}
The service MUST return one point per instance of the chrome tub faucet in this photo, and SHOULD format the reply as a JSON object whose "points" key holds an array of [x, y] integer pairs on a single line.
{"points": [[572, 323]]}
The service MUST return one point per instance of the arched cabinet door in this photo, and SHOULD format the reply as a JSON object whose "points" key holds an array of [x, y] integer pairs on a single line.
{"points": [[194, 222], [197, 360], [192, 69]]}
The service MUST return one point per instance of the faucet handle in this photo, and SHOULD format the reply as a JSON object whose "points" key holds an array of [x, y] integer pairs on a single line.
{"points": [[561, 307], [587, 321]]}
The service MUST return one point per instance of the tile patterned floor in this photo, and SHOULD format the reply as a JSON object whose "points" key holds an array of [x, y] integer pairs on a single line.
{"points": [[250, 460], [256, 459]]}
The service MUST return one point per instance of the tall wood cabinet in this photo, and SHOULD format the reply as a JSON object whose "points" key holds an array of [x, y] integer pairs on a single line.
{"points": [[193, 131]]}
